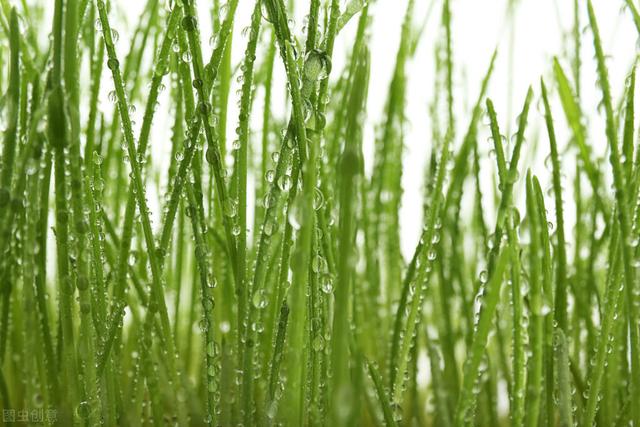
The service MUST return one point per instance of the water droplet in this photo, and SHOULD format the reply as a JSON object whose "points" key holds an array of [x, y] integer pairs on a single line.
{"points": [[97, 158], [319, 264], [268, 201], [211, 155], [269, 227], [211, 349], [284, 182], [175, 46], [326, 284], [484, 276], [189, 23], [82, 283], [230, 208], [38, 400], [259, 300], [317, 65], [83, 409], [270, 175], [295, 212], [318, 199], [204, 108], [318, 343], [113, 64]]}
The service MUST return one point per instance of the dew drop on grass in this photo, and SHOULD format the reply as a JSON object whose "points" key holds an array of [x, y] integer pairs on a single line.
{"points": [[82, 283], [97, 158], [133, 258], [38, 400], [294, 213], [113, 64], [210, 156], [319, 264], [397, 411], [211, 372], [204, 108], [67, 285], [189, 23], [268, 201], [269, 227], [270, 175], [272, 409], [175, 46], [318, 199], [230, 208], [259, 299], [284, 182], [83, 409], [318, 343], [98, 185], [484, 276], [321, 121], [85, 308], [326, 284], [211, 349]]}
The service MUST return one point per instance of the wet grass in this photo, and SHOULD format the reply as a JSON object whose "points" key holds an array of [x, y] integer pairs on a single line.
{"points": [[270, 287]]}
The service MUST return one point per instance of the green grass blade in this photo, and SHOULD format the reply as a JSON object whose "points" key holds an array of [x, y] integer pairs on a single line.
{"points": [[623, 214], [487, 298], [350, 168]]}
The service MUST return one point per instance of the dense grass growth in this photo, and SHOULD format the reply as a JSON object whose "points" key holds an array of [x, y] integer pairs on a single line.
{"points": [[259, 279]]}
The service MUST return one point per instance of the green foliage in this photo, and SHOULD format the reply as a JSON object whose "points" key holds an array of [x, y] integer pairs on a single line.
{"points": [[309, 314]]}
